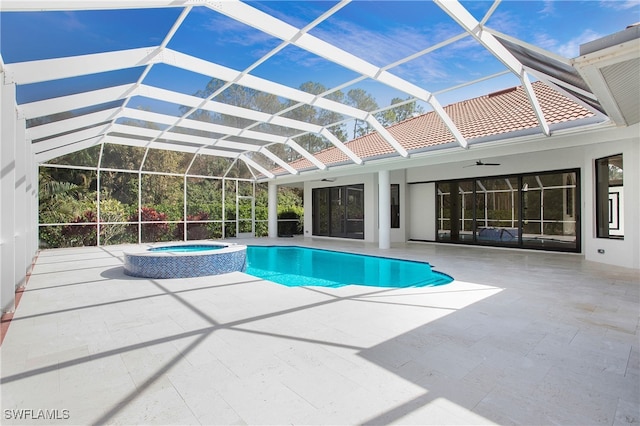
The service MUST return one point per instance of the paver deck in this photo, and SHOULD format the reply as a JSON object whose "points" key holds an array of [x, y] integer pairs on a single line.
{"points": [[518, 338]]}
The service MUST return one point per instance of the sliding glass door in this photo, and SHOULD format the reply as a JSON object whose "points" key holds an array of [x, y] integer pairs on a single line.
{"points": [[497, 211], [549, 218], [538, 210], [338, 211], [319, 212], [455, 211], [355, 212]]}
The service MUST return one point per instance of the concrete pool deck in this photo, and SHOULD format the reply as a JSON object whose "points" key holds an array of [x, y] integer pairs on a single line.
{"points": [[519, 338]]}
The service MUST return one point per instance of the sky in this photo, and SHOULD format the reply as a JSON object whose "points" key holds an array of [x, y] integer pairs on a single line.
{"points": [[381, 32]]}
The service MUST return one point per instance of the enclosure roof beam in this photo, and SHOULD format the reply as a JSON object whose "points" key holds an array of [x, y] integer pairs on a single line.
{"points": [[388, 137], [75, 66], [222, 108], [342, 147], [275, 27], [44, 156], [263, 150], [71, 102], [96, 97], [460, 14], [203, 125], [167, 38], [306, 154], [70, 66], [121, 140], [62, 5], [180, 137], [73, 123], [256, 166], [68, 139], [54, 106]]}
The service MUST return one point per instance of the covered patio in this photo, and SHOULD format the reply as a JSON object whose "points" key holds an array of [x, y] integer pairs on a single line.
{"points": [[540, 338]]}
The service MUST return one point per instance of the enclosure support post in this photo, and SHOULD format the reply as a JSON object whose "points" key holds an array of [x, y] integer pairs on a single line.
{"points": [[384, 210]]}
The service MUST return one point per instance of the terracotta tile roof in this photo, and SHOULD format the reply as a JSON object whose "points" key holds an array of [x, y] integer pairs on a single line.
{"points": [[498, 113]]}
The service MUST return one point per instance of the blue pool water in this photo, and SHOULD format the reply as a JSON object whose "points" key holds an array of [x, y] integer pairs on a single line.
{"points": [[300, 266], [186, 248]]}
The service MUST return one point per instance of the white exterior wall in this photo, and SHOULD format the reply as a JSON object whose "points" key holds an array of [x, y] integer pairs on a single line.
{"points": [[422, 211], [572, 150], [580, 152], [616, 252]]}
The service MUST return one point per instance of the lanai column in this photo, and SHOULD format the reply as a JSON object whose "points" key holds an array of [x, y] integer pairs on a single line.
{"points": [[32, 205], [18, 195], [384, 210], [21, 208], [273, 210], [8, 271]]}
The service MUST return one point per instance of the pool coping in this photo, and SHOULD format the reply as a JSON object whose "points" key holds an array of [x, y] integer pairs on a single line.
{"points": [[145, 249]]}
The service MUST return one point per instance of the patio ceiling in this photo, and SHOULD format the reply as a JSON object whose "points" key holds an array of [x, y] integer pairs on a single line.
{"points": [[111, 89]]}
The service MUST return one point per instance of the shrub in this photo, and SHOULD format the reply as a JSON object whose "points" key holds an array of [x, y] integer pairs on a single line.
{"points": [[112, 210], [80, 235], [195, 231], [152, 232]]}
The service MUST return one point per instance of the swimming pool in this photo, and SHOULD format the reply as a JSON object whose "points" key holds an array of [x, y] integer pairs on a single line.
{"points": [[300, 266]]}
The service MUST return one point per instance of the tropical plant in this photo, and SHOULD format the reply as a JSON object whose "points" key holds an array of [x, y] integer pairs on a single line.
{"points": [[113, 211], [152, 232]]}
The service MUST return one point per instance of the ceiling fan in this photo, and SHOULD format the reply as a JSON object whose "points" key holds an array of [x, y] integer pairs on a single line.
{"points": [[482, 163]]}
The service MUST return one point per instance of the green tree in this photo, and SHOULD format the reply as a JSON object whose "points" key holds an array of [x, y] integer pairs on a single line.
{"points": [[399, 113], [360, 99], [308, 113]]}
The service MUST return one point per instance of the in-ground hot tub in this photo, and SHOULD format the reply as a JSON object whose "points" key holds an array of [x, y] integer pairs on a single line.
{"points": [[178, 260]]}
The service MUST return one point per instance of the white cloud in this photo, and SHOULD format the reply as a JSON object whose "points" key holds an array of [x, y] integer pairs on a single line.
{"points": [[546, 42], [70, 22], [383, 47], [548, 7], [236, 32], [505, 22], [571, 49], [620, 4]]}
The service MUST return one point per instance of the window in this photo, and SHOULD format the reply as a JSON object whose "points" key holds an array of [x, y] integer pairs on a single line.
{"points": [[609, 197], [395, 205]]}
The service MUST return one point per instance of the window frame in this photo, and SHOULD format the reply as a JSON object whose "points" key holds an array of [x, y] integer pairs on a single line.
{"points": [[603, 202], [395, 214]]}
